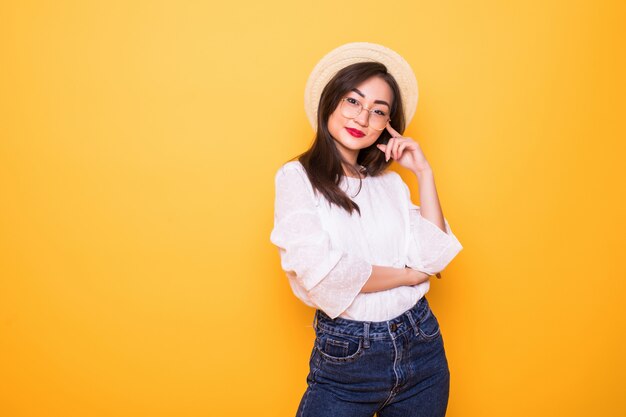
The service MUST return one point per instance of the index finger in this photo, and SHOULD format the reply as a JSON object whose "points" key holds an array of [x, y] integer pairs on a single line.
{"points": [[394, 133]]}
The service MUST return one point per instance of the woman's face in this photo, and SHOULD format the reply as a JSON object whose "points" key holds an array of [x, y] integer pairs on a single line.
{"points": [[372, 93]]}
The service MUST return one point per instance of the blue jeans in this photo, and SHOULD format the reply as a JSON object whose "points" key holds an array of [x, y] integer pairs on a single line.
{"points": [[396, 368]]}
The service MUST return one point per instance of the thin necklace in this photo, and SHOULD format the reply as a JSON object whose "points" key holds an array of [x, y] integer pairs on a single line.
{"points": [[362, 169]]}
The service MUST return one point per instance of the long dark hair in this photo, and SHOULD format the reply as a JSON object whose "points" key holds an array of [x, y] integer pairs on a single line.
{"points": [[323, 161]]}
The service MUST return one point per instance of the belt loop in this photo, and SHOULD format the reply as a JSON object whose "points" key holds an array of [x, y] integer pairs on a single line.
{"points": [[366, 334], [413, 324]]}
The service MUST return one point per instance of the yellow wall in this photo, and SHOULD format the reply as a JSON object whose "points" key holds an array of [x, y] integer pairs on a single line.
{"points": [[139, 140]]}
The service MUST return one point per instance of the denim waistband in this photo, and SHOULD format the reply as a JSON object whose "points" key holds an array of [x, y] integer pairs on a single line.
{"points": [[389, 329]]}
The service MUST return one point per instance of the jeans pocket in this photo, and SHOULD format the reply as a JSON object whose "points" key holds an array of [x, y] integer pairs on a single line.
{"points": [[340, 348], [429, 326]]}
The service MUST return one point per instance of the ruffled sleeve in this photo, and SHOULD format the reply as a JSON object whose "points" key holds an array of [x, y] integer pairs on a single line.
{"points": [[329, 277], [430, 249]]}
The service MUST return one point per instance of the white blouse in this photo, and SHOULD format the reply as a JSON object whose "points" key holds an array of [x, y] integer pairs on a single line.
{"points": [[328, 254]]}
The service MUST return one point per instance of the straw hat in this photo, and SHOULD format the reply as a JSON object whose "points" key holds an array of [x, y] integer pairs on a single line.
{"points": [[352, 53]]}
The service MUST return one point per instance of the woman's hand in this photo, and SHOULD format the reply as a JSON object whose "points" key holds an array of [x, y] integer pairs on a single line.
{"points": [[405, 151], [416, 277]]}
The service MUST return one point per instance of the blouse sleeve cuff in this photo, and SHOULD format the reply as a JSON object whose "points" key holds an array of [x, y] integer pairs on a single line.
{"points": [[338, 290], [436, 248], [309, 279]]}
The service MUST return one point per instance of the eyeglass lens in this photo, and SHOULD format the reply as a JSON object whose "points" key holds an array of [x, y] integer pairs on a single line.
{"points": [[351, 108]]}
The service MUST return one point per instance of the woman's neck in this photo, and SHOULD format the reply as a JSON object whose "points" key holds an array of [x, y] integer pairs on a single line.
{"points": [[348, 172]]}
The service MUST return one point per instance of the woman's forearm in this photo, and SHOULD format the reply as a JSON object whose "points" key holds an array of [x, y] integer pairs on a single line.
{"points": [[387, 277], [430, 208]]}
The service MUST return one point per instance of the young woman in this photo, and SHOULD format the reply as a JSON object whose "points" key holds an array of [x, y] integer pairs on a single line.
{"points": [[355, 247]]}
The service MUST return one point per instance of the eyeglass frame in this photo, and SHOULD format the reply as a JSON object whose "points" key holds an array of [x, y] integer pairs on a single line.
{"points": [[368, 111]]}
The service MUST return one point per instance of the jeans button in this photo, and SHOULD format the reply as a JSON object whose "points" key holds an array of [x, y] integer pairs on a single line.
{"points": [[393, 327]]}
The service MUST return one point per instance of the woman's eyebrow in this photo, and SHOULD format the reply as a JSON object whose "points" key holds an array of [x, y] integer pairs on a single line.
{"points": [[356, 90]]}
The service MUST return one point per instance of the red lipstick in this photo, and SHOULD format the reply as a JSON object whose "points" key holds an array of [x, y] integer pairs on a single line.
{"points": [[354, 132]]}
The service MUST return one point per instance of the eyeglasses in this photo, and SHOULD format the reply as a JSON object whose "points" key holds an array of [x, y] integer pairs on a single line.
{"points": [[351, 108]]}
